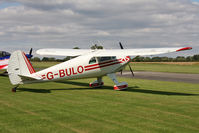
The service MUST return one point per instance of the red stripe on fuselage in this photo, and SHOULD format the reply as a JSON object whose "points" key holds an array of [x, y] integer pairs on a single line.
{"points": [[31, 69], [102, 63], [26, 63], [102, 66]]}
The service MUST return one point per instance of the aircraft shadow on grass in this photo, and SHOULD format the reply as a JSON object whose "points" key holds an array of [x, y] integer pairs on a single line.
{"points": [[133, 89], [4, 74]]}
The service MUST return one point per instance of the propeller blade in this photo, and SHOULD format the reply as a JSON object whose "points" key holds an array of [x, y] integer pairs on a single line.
{"points": [[30, 53], [121, 45], [131, 70]]}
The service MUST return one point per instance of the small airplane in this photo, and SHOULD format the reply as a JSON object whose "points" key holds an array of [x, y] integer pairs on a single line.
{"points": [[86, 64], [5, 56]]}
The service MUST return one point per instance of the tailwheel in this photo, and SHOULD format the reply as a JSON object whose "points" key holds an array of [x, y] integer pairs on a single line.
{"points": [[14, 89]]}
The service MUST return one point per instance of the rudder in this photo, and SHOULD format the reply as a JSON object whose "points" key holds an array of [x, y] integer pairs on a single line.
{"points": [[19, 65]]}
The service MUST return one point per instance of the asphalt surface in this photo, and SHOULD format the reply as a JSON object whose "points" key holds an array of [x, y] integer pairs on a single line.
{"points": [[175, 77]]}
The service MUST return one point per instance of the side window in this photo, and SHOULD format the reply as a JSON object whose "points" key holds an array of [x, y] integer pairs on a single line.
{"points": [[101, 59], [7, 54], [113, 57], [92, 60], [1, 54]]}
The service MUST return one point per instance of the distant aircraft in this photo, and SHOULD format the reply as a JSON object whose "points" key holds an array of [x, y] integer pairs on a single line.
{"points": [[5, 56], [88, 64]]}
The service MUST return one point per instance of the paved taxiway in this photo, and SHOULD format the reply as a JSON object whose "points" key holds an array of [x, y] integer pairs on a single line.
{"points": [[175, 77]]}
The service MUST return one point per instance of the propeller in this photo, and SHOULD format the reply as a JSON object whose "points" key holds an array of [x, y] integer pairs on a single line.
{"points": [[121, 45], [128, 64], [30, 54]]}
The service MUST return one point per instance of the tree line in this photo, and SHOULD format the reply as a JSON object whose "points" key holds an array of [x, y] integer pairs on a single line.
{"points": [[194, 58]]}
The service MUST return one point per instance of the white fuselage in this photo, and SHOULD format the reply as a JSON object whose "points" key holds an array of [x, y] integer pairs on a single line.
{"points": [[81, 67]]}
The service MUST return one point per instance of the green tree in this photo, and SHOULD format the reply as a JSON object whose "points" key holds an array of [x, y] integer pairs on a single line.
{"points": [[36, 59], [76, 48], [51, 59], [189, 58], [164, 59], [136, 59], [96, 47], [156, 59], [180, 59], [147, 59], [196, 58]]}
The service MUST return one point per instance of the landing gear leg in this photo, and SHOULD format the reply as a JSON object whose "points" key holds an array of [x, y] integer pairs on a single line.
{"points": [[118, 86], [15, 88]]}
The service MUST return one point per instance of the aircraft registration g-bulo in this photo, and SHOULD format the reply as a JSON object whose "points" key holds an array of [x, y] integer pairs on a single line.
{"points": [[87, 64]]}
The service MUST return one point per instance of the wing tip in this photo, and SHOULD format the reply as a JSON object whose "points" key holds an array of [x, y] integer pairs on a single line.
{"points": [[185, 48]]}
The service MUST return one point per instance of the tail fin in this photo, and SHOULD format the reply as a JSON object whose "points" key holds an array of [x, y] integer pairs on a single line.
{"points": [[18, 66]]}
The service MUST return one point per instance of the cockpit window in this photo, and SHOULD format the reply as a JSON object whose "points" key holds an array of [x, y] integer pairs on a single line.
{"points": [[4, 54], [7, 54], [92, 60], [1, 54]]}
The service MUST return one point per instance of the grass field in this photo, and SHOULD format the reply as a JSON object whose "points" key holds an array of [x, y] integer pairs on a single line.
{"points": [[73, 107]]}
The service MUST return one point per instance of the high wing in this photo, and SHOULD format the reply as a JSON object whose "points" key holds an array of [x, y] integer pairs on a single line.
{"points": [[110, 52], [63, 52]]}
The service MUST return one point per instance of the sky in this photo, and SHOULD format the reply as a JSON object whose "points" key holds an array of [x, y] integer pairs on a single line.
{"points": [[70, 23]]}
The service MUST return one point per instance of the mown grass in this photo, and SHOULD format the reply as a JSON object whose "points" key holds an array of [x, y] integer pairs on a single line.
{"points": [[71, 106]]}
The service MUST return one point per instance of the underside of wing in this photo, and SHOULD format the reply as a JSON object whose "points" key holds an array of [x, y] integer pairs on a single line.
{"points": [[140, 52], [63, 52], [110, 52]]}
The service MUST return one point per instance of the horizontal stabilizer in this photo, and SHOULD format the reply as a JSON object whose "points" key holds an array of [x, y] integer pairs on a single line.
{"points": [[28, 78]]}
